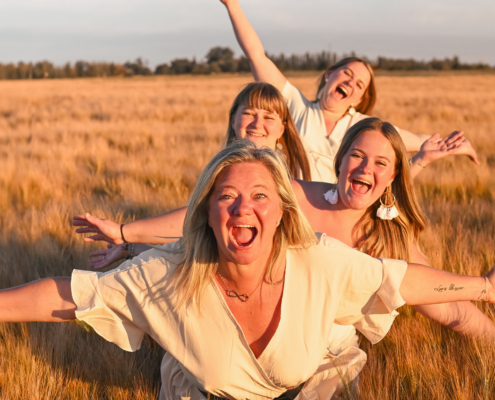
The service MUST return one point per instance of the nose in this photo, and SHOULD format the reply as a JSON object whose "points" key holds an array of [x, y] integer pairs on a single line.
{"points": [[365, 166], [242, 206], [256, 122]]}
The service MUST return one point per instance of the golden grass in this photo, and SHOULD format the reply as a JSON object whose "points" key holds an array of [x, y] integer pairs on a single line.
{"points": [[130, 148]]}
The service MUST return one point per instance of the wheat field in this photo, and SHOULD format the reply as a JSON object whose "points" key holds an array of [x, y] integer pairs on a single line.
{"points": [[130, 148]]}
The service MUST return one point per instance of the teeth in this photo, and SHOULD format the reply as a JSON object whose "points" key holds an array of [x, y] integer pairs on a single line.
{"points": [[255, 134], [365, 182], [343, 89], [243, 226]]}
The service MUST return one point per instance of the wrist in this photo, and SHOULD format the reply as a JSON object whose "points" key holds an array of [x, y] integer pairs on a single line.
{"points": [[419, 159]]}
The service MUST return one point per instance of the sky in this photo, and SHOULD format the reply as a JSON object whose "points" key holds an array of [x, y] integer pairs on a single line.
{"points": [[160, 30]]}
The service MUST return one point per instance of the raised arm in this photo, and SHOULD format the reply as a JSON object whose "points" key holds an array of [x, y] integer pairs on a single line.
{"points": [[157, 230], [263, 68], [46, 300], [462, 317]]}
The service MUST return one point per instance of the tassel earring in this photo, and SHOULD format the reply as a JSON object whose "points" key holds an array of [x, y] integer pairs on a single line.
{"points": [[387, 211], [279, 146], [351, 111], [332, 196]]}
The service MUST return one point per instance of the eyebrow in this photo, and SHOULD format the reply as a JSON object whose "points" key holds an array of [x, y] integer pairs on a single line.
{"points": [[235, 187], [383, 157]]}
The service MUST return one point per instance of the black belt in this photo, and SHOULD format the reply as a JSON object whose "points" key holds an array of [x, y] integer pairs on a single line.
{"points": [[288, 395]]}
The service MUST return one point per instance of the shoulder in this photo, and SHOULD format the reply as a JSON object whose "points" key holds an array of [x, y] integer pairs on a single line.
{"points": [[310, 191]]}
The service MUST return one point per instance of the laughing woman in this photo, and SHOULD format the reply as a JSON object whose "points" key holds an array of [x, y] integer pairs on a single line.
{"points": [[345, 95], [246, 302]]}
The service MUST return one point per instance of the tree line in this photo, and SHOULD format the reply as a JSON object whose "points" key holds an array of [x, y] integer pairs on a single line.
{"points": [[218, 60]]}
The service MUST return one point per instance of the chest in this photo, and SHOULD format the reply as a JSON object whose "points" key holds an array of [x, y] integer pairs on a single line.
{"points": [[259, 316]]}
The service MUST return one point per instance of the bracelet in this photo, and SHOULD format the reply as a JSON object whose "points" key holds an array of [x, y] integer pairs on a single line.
{"points": [[411, 163], [122, 233], [131, 251], [483, 295]]}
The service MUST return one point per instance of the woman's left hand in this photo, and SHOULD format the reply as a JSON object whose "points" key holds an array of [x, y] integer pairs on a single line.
{"points": [[103, 258], [436, 147]]}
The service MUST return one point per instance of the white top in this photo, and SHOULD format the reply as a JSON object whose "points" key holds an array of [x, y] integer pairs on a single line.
{"points": [[325, 284], [321, 150]]}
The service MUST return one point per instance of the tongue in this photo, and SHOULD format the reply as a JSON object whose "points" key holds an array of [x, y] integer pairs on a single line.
{"points": [[243, 235], [360, 187]]}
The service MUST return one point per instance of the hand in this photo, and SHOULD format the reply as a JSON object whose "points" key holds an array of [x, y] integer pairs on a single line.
{"points": [[466, 149], [435, 147], [105, 230], [103, 258]]}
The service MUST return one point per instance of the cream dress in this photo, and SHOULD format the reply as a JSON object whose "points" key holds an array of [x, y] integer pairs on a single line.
{"points": [[320, 149], [327, 284]]}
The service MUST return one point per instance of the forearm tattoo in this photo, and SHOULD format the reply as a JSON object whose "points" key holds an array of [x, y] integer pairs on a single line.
{"points": [[452, 286]]}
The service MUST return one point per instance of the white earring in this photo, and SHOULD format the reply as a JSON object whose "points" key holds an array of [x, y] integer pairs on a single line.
{"points": [[387, 211], [351, 111], [332, 196]]}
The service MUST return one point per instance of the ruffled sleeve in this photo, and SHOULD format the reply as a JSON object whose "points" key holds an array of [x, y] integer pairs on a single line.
{"points": [[375, 316], [119, 304], [297, 103]]}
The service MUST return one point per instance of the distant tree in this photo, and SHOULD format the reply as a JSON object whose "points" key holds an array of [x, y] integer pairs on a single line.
{"points": [[219, 54], [181, 66], [162, 69], [138, 67]]}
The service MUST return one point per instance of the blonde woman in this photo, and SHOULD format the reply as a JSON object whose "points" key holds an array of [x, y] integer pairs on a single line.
{"points": [[345, 95], [246, 302]]}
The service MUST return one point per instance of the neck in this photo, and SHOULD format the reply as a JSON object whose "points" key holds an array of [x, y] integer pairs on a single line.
{"points": [[244, 278]]}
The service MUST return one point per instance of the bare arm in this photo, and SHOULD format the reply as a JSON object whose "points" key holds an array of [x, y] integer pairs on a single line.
{"points": [[157, 230], [46, 300], [425, 285], [462, 317], [413, 141], [263, 68]]}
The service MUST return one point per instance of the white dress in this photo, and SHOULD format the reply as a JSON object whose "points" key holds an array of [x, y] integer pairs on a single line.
{"points": [[327, 284], [320, 149]]}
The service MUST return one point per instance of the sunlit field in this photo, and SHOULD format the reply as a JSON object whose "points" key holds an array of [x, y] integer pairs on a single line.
{"points": [[125, 149]]}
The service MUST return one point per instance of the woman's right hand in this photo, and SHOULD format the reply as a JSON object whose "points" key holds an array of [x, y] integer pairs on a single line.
{"points": [[104, 229], [103, 258]]}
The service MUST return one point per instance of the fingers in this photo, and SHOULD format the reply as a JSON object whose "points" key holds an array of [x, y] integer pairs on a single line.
{"points": [[98, 253], [98, 237]]}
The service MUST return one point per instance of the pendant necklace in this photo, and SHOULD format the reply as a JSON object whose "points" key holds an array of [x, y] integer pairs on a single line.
{"points": [[233, 293]]}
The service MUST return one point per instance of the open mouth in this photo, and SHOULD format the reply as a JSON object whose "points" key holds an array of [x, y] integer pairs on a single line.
{"points": [[342, 91], [360, 186], [255, 134], [244, 235]]}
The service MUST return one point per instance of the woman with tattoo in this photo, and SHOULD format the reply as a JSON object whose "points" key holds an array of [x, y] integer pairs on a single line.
{"points": [[246, 302]]}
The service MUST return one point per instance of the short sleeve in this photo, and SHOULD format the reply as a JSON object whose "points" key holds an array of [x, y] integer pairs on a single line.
{"points": [[379, 281], [118, 304], [297, 103]]}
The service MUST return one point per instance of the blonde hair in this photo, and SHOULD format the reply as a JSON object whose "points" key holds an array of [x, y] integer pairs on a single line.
{"points": [[267, 97], [387, 238], [369, 96], [198, 244]]}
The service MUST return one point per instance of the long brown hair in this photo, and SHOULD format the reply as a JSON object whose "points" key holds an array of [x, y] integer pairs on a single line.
{"points": [[369, 96], [198, 245], [387, 238], [267, 97]]}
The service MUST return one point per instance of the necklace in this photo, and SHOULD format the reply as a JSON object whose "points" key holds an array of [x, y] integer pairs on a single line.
{"points": [[233, 293]]}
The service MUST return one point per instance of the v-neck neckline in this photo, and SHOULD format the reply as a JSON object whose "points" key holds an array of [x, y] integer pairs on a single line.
{"points": [[257, 360]]}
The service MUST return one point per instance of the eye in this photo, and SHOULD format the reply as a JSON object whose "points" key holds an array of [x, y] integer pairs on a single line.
{"points": [[226, 196], [347, 72], [260, 196], [356, 155]]}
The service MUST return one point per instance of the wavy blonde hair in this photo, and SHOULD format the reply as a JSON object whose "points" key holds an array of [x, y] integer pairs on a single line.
{"points": [[369, 96], [267, 97], [198, 244], [387, 238]]}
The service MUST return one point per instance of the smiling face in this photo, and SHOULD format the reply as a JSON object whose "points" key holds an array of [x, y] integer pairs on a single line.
{"points": [[345, 86], [244, 213], [367, 169], [261, 127]]}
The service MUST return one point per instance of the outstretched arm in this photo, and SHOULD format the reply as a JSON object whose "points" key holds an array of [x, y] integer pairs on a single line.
{"points": [[263, 68], [46, 300], [426, 285], [157, 230], [462, 317]]}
